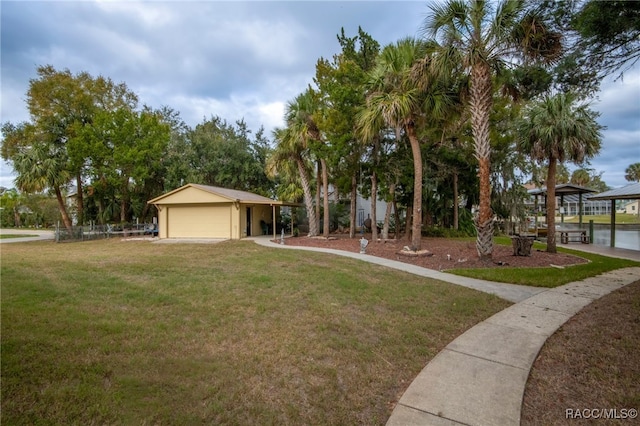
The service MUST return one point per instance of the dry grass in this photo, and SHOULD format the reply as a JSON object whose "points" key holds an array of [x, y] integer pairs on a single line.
{"points": [[111, 332], [591, 362]]}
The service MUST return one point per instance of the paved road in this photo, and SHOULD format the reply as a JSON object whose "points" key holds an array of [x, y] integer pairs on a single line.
{"points": [[37, 235]]}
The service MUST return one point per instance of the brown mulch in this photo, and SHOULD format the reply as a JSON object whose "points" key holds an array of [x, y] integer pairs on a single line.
{"points": [[446, 253], [591, 364]]}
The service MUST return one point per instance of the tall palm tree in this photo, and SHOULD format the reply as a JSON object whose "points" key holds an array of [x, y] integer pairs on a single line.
{"points": [[555, 130], [40, 167], [290, 147], [481, 37], [299, 117], [397, 100]]}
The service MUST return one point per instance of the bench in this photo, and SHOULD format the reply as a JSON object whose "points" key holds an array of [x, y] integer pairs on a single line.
{"points": [[573, 236]]}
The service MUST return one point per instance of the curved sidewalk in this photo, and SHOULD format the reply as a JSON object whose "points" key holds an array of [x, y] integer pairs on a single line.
{"points": [[480, 377]]}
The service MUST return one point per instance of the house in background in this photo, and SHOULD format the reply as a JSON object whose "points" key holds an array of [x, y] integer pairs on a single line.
{"points": [[201, 211], [632, 207]]}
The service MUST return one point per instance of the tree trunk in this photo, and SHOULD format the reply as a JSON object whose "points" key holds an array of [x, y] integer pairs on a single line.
{"points": [[416, 229], [318, 191], [352, 213], [374, 198], [455, 201], [63, 209], [308, 198], [481, 102], [396, 214], [387, 213], [325, 187], [551, 206], [80, 200], [407, 226]]}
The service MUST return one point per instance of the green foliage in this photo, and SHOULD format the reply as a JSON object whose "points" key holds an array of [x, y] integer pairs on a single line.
{"points": [[221, 154], [610, 32], [632, 173]]}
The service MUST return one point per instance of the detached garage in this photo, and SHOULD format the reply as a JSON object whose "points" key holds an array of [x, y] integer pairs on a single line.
{"points": [[201, 211]]}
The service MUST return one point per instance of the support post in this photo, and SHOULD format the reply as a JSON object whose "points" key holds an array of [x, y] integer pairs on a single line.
{"points": [[580, 209], [273, 220], [613, 223]]}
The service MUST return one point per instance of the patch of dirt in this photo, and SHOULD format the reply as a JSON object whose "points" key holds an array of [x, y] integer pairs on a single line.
{"points": [[447, 253], [590, 364]]}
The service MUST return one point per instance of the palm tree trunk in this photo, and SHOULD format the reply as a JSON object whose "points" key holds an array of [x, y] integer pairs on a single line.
{"points": [[455, 201], [481, 102], [353, 205], [551, 206], [318, 191], [407, 226], [374, 198], [387, 213], [325, 190], [416, 229], [308, 198], [63, 209]]}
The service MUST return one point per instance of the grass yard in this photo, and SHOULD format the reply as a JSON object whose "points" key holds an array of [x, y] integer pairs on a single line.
{"points": [[8, 236], [621, 218], [113, 332], [548, 276]]}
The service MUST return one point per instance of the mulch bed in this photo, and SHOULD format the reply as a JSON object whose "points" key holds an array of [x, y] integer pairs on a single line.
{"points": [[447, 253]]}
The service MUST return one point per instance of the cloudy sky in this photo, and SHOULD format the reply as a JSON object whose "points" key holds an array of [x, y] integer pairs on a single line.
{"points": [[233, 59]]}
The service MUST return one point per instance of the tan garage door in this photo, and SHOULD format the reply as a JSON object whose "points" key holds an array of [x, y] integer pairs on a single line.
{"points": [[199, 222]]}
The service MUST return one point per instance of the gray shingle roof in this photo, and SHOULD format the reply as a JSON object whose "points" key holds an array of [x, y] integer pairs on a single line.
{"points": [[629, 192], [233, 194]]}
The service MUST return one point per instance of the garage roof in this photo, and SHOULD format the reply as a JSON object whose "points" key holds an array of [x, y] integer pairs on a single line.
{"points": [[233, 195]]}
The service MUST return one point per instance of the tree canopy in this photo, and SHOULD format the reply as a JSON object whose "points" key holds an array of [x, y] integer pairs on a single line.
{"points": [[430, 124]]}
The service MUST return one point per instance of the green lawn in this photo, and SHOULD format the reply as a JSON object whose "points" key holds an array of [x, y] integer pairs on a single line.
{"points": [[7, 236], [621, 218], [547, 277], [112, 332]]}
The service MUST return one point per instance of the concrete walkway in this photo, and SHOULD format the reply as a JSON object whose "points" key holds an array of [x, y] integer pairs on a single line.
{"points": [[480, 377]]}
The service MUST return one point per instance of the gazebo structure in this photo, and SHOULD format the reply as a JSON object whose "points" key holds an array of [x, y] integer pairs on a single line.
{"points": [[561, 191], [629, 192]]}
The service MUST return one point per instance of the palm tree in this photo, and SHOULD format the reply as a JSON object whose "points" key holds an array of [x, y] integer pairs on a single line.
{"points": [[300, 121], [39, 167], [396, 99], [557, 130], [632, 173], [290, 147], [482, 37]]}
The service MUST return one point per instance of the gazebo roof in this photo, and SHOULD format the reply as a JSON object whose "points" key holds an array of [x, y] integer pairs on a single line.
{"points": [[629, 192], [564, 189]]}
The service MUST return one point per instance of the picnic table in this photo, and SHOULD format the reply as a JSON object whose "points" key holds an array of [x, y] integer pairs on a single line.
{"points": [[573, 236]]}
